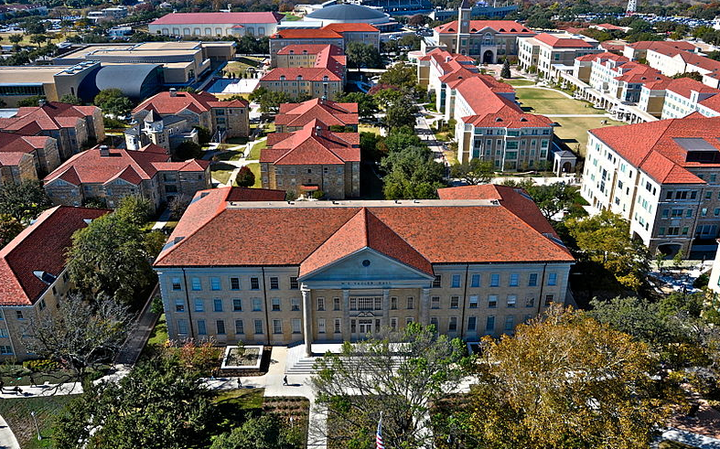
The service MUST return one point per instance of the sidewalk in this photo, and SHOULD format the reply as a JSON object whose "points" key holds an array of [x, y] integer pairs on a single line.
{"points": [[7, 437]]}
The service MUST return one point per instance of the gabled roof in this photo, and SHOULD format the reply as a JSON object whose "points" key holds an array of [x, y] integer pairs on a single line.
{"points": [[364, 230], [172, 103], [306, 73], [314, 144], [51, 116], [560, 41], [328, 112], [17, 143], [662, 45], [40, 247], [653, 146], [351, 28], [302, 33], [209, 18], [474, 231], [686, 86], [477, 26], [132, 166]]}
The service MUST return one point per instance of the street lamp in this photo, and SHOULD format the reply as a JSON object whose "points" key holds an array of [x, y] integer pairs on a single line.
{"points": [[36, 425]]}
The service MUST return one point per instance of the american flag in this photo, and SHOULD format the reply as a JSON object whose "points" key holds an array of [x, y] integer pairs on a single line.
{"points": [[380, 444]]}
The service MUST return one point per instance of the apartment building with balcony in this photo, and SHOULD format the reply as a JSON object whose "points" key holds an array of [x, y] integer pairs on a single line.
{"points": [[554, 54], [321, 271]]}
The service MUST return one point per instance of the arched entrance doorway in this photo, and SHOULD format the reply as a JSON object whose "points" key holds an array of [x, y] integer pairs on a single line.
{"points": [[567, 167], [487, 57], [669, 250]]}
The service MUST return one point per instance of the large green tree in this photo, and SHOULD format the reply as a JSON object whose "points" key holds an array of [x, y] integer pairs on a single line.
{"points": [[367, 107], [398, 374], [113, 101], [401, 113], [412, 173], [400, 75], [567, 381], [10, 227], [360, 55], [110, 256], [157, 405], [24, 201], [473, 172], [261, 432]]}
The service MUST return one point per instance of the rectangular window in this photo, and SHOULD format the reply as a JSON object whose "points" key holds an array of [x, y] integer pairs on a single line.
{"points": [[296, 323], [509, 323], [239, 327], [295, 304], [321, 304], [437, 282], [258, 327], [199, 305], [492, 301], [202, 329], [336, 303], [179, 305], [6, 350], [408, 320], [472, 324], [473, 302], [393, 323], [410, 302], [530, 301], [274, 283], [293, 283], [532, 282], [552, 279], [338, 325], [454, 302], [321, 326], [220, 327], [549, 299], [255, 283], [435, 302], [490, 324], [514, 280], [475, 280], [393, 303], [196, 284], [494, 280], [277, 326], [511, 301], [257, 304], [452, 325], [237, 305], [182, 327], [276, 304], [455, 281], [176, 284], [214, 283], [217, 305], [234, 283]]}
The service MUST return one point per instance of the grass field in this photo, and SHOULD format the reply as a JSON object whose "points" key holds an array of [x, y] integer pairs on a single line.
{"points": [[229, 156], [17, 414], [573, 130], [365, 128], [519, 82], [241, 65], [255, 151], [56, 38], [544, 101]]}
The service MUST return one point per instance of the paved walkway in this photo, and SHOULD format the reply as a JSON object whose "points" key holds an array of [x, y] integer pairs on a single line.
{"points": [[7, 437], [135, 342], [689, 439]]}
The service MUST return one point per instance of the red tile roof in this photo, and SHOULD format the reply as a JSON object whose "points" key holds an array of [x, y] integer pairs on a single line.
{"points": [[307, 74], [16, 143], [165, 103], [351, 28], [652, 148], [477, 26], [210, 18], [685, 87], [328, 112], [133, 166], [39, 247], [244, 194], [662, 45], [314, 144], [51, 116], [314, 33], [471, 232], [556, 41], [302, 49]]}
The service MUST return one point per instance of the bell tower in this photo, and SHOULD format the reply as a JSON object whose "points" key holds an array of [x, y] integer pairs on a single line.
{"points": [[464, 13]]}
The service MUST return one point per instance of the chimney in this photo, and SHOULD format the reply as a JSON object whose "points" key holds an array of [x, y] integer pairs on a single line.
{"points": [[42, 102], [173, 92], [104, 151], [318, 131]]}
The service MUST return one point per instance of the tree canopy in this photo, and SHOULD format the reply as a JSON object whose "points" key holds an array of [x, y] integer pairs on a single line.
{"points": [[412, 173], [567, 381], [23, 201], [261, 432], [245, 177], [400, 75], [473, 172], [367, 107], [113, 101], [361, 55]]}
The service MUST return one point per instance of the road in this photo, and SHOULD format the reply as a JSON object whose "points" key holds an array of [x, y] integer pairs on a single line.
{"points": [[422, 127]]}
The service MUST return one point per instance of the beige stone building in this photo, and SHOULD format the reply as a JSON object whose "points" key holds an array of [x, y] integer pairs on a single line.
{"points": [[320, 271], [294, 116], [16, 168], [313, 159], [33, 279], [108, 174], [43, 151]]}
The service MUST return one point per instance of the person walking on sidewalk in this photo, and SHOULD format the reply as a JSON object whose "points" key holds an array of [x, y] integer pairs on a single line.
{"points": [[285, 382]]}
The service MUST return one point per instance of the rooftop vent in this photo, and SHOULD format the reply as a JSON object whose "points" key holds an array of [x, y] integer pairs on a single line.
{"points": [[173, 92], [44, 276], [104, 151]]}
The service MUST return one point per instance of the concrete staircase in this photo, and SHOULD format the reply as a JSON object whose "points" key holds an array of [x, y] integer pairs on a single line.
{"points": [[302, 366]]}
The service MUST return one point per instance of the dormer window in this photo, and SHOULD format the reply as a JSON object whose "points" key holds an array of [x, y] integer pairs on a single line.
{"points": [[299, 78], [282, 77], [292, 52]]}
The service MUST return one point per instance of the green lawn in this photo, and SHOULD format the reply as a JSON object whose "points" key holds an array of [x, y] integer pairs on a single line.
{"points": [[543, 101], [573, 130], [237, 68], [17, 413], [255, 167], [290, 17], [519, 82], [365, 128], [222, 171], [229, 156], [255, 151], [244, 398]]}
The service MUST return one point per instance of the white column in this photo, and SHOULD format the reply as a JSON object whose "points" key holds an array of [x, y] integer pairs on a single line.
{"points": [[346, 315], [307, 319], [425, 307]]}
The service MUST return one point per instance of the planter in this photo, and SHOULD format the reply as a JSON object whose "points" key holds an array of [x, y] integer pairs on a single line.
{"points": [[247, 357]]}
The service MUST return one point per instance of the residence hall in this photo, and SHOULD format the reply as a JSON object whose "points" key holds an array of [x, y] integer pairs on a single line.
{"points": [[294, 116], [662, 176], [337, 34], [216, 24], [33, 278], [276, 272]]}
